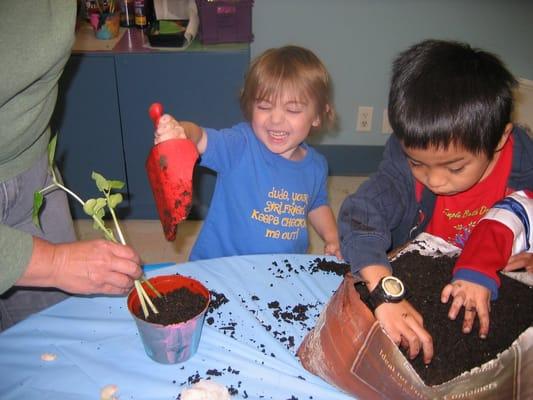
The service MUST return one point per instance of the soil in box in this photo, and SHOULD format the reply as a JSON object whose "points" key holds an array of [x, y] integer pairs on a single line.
{"points": [[456, 352], [174, 307]]}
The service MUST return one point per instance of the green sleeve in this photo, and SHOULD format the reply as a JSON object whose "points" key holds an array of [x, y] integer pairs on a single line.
{"points": [[15, 253]]}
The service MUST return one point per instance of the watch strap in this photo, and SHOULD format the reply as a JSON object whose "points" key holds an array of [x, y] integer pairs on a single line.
{"points": [[364, 293], [375, 298]]}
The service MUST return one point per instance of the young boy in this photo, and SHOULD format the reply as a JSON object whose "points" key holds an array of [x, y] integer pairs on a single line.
{"points": [[269, 181], [453, 154]]}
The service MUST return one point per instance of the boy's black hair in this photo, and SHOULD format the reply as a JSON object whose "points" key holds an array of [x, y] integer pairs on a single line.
{"points": [[445, 92]]}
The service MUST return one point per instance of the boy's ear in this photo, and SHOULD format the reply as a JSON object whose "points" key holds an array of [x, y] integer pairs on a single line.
{"points": [[506, 132]]}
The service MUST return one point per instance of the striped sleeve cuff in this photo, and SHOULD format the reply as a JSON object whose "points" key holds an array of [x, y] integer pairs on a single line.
{"points": [[479, 278]]}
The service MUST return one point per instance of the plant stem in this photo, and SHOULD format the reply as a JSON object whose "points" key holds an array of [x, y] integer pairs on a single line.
{"points": [[143, 296], [148, 299], [59, 185], [117, 225], [123, 241], [152, 287], [138, 287], [99, 222]]}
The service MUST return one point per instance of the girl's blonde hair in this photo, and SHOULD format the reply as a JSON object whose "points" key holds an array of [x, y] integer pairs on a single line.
{"points": [[289, 68]]}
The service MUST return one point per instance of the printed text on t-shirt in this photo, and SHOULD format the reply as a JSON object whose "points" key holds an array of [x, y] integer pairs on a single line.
{"points": [[284, 210]]}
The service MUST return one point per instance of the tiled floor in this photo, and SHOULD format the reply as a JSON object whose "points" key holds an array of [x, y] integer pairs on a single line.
{"points": [[146, 236]]}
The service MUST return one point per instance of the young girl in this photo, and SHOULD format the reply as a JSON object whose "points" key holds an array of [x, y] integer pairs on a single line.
{"points": [[270, 183]]}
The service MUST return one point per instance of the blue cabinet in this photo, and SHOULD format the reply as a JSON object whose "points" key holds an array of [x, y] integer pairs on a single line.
{"points": [[199, 86], [103, 123], [87, 121]]}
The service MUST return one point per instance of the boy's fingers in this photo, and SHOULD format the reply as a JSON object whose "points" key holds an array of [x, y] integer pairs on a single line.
{"points": [[457, 303], [468, 321], [422, 339], [445, 294], [484, 322], [414, 337], [409, 340]]}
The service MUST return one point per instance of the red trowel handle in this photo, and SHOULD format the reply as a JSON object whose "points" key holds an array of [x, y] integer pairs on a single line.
{"points": [[155, 111]]}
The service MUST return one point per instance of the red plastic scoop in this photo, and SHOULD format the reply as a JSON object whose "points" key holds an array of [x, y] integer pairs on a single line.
{"points": [[170, 165]]}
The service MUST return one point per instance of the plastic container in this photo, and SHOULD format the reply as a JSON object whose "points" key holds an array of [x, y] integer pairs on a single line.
{"points": [[176, 343], [161, 33], [106, 26], [225, 21]]}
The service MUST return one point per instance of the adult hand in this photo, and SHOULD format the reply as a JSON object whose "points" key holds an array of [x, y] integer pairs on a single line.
{"points": [[519, 261], [85, 267], [476, 301], [405, 327], [168, 128]]}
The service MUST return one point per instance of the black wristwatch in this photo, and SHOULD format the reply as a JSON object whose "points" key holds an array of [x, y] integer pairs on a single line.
{"points": [[389, 290]]}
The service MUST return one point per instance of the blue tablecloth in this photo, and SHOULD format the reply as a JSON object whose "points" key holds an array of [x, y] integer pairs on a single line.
{"points": [[248, 343]]}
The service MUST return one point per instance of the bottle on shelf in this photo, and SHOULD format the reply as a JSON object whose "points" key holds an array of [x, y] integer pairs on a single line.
{"points": [[143, 13], [127, 13]]}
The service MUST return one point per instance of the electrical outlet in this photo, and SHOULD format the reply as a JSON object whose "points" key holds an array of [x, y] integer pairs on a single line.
{"points": [[385, 127], [364, 119]]}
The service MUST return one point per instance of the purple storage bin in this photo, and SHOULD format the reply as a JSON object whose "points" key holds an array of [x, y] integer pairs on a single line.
{"points": [[225, 21]]}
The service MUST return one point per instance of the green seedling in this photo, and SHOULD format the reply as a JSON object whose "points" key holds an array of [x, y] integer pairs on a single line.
{"points": [[96, 209]]}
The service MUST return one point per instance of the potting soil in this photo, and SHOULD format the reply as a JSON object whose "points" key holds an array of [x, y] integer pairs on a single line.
{"points": [[456, 352], [176, 306]]}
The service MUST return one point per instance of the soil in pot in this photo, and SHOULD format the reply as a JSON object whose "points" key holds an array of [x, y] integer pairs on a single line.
{"points": [[176, 306], [456, 352]]}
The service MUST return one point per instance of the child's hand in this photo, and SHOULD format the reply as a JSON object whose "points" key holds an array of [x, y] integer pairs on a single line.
{"points": [[333, 249], [474, 298], [405, 327], [168, 128], [519, 261]]}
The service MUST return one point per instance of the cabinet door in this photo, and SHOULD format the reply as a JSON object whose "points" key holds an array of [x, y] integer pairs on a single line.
{"points": [[202, 87], [87, 121]]}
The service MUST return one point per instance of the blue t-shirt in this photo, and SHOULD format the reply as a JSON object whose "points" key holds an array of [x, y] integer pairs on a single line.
{"points": [[261, 200]]}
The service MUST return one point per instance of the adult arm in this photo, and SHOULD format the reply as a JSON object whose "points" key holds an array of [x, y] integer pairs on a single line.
{"points": [[85, 267], [15, 253]]}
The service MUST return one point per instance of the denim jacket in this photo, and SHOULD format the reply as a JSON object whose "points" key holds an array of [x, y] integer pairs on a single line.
{"points": [[384, 213]]}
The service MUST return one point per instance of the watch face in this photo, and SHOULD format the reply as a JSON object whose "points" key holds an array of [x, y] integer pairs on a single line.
{"points": [[392, 286]]}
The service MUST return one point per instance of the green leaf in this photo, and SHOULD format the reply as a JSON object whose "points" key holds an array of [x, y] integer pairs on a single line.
{"points": [[100, 204], [52, 150], [88, 207], [38, 199], [114, 200], [101, 183], [100, 213], [116, 184]]}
